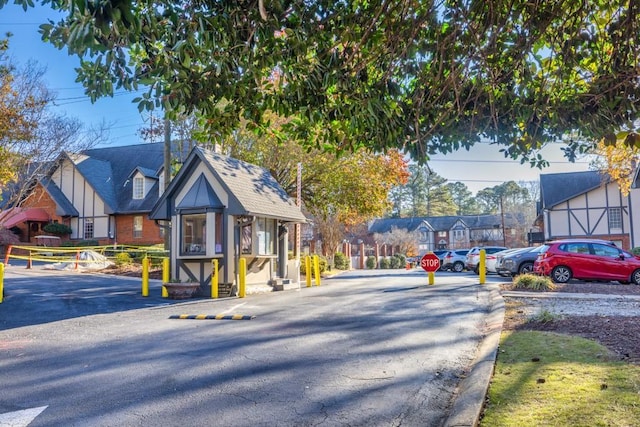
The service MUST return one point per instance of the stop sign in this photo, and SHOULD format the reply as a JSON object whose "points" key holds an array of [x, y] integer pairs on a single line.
{"points": [[430, 262]]}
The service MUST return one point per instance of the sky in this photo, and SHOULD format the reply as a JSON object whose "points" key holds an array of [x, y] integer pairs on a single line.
{"points": [[483, 166]]}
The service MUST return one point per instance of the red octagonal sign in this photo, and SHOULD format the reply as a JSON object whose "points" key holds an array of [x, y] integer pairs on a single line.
{"points": [[430, 262]]}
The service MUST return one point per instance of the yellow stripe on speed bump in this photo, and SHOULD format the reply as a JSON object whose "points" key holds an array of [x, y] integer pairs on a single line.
{"points": [[212, 317]]}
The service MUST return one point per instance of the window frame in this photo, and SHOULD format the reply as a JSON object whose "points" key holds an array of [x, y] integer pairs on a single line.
{"points": [[197, 243], [614, 216], [88, 228], [138, 224], [138, 188]]}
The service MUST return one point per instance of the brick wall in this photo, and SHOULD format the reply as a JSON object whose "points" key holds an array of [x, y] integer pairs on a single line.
{"points": [[39, 198], [124, 231]]}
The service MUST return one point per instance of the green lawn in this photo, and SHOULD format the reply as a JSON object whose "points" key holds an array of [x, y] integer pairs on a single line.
{"points": [[548, 379]]}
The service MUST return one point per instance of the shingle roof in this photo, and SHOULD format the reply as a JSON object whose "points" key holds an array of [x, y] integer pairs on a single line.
{"points": [[64, 205], [557, 188], [252, 190], [441, 223]]}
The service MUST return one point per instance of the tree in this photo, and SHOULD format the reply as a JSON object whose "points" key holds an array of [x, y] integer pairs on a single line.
{"points": [[31, 136], [462, 198], [339, 192], [402, 240], [421, 76], [618, 159]]}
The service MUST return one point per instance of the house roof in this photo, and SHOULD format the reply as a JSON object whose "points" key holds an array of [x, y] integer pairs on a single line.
{"points": [[252, 190], [440, 223], [64, 205], [109, 171], [556, 188]]}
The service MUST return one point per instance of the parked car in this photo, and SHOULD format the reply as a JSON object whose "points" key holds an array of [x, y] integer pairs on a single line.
{"points": [[454, 260], [518, 262], [440, 253], [473, 257], [491, 259], [587, 259]]}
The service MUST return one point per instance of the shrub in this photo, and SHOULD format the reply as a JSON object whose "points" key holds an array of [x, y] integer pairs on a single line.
{"points": [[398, 261], [122, 258], [533, 282], [323, 264], [8, 238], [340, 261], [371, 262], [636, 251], [57, 229], [80, 243], [385, 263]]}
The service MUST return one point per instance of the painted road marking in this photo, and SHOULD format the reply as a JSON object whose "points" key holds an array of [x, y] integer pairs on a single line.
{"points": [[212, 317], [20, 418]]}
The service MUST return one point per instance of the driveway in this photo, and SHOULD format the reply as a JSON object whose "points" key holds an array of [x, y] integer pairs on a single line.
{"points": [[366, 348]]}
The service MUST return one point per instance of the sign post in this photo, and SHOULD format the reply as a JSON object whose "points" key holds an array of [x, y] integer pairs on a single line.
{"points": [[430, 263]]}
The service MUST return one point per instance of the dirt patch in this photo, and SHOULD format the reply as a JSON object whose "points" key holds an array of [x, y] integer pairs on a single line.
{"points": [[618, 333], [132, 270]]}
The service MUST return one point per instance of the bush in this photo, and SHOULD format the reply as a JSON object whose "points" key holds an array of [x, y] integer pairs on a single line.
{"points": [[533, 282], [57, 229], [8, 238], [340, 261], [398, 261], [371, 262], [635, 251], [122, 258], [323, 264], [80, 243], [385, 263]]}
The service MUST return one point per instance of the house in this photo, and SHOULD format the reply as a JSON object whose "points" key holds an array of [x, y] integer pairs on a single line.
{"points": [[102, 194], [224, 209], [454, 232], [588, 204]]}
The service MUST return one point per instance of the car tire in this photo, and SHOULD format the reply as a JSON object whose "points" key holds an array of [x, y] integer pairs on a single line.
{"points": [[476, 270], [457, 267], [561, 274], [635, 277], [526, 267]]}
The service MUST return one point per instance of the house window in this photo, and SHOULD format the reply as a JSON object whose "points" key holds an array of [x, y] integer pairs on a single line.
{"points": [[138, 188], [615, 218], [442, 234], [88, 228], [194, 232], [137, 227], [458, 234]]}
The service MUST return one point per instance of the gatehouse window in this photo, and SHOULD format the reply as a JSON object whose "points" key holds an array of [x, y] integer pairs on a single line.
{"points": [[194, 233]]}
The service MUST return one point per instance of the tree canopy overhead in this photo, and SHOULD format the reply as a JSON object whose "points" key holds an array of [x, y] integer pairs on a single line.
{"points": [[423, 76]]}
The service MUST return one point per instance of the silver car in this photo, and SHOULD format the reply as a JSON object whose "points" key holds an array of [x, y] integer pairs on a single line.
{"points": [[454, 260]]}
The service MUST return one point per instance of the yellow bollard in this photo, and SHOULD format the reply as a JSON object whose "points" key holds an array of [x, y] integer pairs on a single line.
{"points": [[316, 265], [308, 273], [145, 277], [1, 281], [242, 290], [165, 277], [432, 277], [482, 266], [214, 278]]}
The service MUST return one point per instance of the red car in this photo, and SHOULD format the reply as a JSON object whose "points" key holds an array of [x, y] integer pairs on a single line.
{"points": [[587, 259]]}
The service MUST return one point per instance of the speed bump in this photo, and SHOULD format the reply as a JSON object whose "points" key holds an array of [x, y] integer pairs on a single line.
{"points": [[212, 317]]}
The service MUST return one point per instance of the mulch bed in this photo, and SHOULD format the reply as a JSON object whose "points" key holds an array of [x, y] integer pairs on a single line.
{"points": [[620, 334]]}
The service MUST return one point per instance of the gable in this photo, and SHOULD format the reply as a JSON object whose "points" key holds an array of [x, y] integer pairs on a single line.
{"points": [[200, 195], [557, 188]]}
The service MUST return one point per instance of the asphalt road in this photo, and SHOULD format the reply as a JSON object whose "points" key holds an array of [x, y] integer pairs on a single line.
{"points": [[372, 348]]}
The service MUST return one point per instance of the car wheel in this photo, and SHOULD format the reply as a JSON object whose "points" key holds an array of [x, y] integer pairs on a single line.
{"points": [[635, 277], [476, 270], [525, 268], [561, 274], [458, 267]]}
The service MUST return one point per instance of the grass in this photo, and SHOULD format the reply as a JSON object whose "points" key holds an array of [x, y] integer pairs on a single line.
{"points": [[549, 379]]}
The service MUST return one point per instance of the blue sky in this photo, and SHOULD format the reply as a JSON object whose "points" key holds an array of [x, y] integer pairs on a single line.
{"points": [[481, 167]]}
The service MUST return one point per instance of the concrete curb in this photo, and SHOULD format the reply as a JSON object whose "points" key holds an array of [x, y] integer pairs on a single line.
{"points": [[469, 401]]}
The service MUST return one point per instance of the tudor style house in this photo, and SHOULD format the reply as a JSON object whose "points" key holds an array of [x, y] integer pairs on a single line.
{"points": [[102, 194], [588, 204], [455, 232]]}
